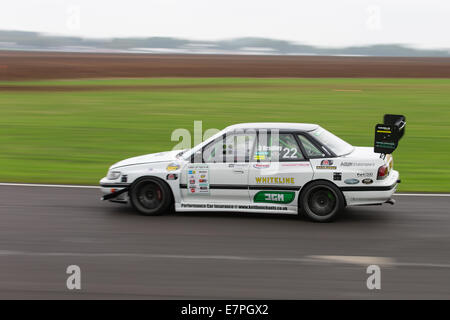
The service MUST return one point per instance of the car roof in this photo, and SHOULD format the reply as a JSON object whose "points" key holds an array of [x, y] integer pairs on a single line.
{"points": [[274, 125]]}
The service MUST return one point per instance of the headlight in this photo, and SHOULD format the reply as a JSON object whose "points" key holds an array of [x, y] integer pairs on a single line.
{"points": [[113, 175]]}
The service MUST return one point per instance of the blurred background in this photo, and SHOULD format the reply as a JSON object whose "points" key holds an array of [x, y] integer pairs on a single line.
{"points": [[84, 84]]}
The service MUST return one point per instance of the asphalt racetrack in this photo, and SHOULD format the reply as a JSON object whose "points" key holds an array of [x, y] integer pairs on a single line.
{"points": [[217, 255]]}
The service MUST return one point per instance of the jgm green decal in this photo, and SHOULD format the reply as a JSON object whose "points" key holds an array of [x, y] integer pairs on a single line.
{"points": [[274, 196]]}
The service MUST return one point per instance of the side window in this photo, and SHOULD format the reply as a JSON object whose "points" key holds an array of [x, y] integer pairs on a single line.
{"points": [[273, 147], [230, 148], [311, 150]]}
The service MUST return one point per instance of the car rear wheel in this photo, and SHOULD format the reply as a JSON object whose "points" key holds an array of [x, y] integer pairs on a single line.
{"points": [[151, 196], [321, 201]]}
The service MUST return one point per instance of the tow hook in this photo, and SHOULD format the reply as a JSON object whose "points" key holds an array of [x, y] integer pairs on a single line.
{"points": [[391, 201]]}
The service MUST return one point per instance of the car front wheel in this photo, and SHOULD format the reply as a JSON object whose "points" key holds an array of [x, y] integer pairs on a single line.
{"points": [[151, 196], [321, 201]]}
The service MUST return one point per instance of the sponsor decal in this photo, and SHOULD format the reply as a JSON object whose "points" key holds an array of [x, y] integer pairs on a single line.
{"points": [[274, 196], [326, 167], [275, 180], [232, 206], [269, 148], [357, 164], [198, 178], [337, 176], [259, 157], [261, 165], [367, 181], [364, 174], [382, 144], [384, 131], [172, 176], [173, 167], [303, 164], [381, 129], [351, 181]]}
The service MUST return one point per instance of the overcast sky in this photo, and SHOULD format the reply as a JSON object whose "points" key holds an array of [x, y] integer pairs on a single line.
{"points": [[420, 23]]}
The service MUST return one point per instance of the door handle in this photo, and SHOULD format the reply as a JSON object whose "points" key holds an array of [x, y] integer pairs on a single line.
{"points": [[240, 171]]}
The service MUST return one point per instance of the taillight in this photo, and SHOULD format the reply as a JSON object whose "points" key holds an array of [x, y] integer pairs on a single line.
{"points": [[383, 172]]}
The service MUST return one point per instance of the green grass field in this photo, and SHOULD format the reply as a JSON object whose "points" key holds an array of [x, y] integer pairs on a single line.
{"points": [[73, 136]]}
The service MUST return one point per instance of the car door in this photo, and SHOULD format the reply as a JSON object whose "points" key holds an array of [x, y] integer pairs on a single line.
{"points": [[278, 169], [222, 174]]}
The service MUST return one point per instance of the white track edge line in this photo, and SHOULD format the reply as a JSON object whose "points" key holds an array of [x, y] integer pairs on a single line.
{"points": [[345, 260], [47, 185], [423, 194], [96, 187]]}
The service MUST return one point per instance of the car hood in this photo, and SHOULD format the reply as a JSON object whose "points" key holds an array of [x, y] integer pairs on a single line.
{"points": [[148, 158]]}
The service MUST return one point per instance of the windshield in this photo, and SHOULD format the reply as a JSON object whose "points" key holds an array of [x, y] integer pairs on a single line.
{"points": [[189, 152], [330, 141]]}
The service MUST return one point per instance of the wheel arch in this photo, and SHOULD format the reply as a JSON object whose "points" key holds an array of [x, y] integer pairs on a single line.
{"points": [[319, 180], [155, 178]]}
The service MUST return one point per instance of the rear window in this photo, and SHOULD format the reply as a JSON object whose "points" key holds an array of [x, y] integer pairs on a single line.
{"points": [[331, 142], [311, 150]]}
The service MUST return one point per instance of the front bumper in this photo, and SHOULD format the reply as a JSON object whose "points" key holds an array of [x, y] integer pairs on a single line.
{"points": [[114, 191]]}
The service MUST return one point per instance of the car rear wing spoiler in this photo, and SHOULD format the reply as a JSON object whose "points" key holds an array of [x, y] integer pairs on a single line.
{"points": [[389, 133]]}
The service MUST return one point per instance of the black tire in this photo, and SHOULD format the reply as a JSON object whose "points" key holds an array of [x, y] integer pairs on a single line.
{"points": [[151, 196], [321, 201]]}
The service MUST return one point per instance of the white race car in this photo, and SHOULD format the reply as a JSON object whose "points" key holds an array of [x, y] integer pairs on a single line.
{"points": [[281, 168]]}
